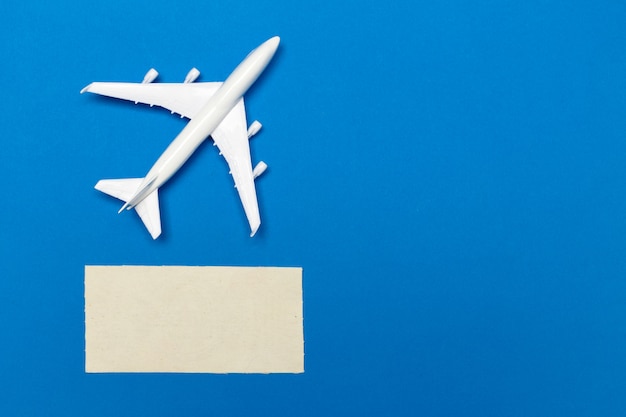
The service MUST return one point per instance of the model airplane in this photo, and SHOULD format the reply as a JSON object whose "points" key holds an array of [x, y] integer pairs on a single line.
{"points": [[214, 109]]}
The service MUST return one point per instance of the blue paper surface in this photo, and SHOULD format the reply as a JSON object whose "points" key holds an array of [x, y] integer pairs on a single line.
{"points": [[450, 175]]}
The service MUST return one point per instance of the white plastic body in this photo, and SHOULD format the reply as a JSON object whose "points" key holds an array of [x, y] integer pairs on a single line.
{"points": [[208, 118]]}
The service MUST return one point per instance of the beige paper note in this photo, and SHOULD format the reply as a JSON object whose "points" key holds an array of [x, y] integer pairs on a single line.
{"points": [[193, 319]]}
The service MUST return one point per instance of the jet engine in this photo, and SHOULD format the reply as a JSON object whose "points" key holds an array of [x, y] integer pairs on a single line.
{"points": [[150, 76], [192, 75], [254, 128], [259, 169]]}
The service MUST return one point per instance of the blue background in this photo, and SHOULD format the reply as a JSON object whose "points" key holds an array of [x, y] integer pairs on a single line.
{"points": [[450, 175]]}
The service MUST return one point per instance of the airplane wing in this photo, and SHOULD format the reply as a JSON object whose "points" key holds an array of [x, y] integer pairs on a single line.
{"points": [[232, 140], [185, 99]]}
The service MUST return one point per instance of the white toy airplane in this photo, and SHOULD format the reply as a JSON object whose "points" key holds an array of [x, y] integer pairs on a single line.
{"points": [[214, 109]]}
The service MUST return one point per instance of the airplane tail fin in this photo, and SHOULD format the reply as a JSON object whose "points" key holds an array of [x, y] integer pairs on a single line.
{"points": [[148, 208]]}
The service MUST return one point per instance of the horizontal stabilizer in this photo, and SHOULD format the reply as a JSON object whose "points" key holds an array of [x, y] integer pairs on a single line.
{"points": [[124, 188], [148, 209]]}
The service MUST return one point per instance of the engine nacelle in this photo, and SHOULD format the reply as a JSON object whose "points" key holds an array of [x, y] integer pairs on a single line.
{"points": [[150, 76], [254, 128], [259, 169], [192, 75]]}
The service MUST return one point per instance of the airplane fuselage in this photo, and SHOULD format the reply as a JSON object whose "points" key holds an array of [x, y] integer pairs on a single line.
{"points": [[207, 119]]}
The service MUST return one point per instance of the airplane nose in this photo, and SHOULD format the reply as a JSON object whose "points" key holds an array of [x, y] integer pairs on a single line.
{"points": [[273, 42]]}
